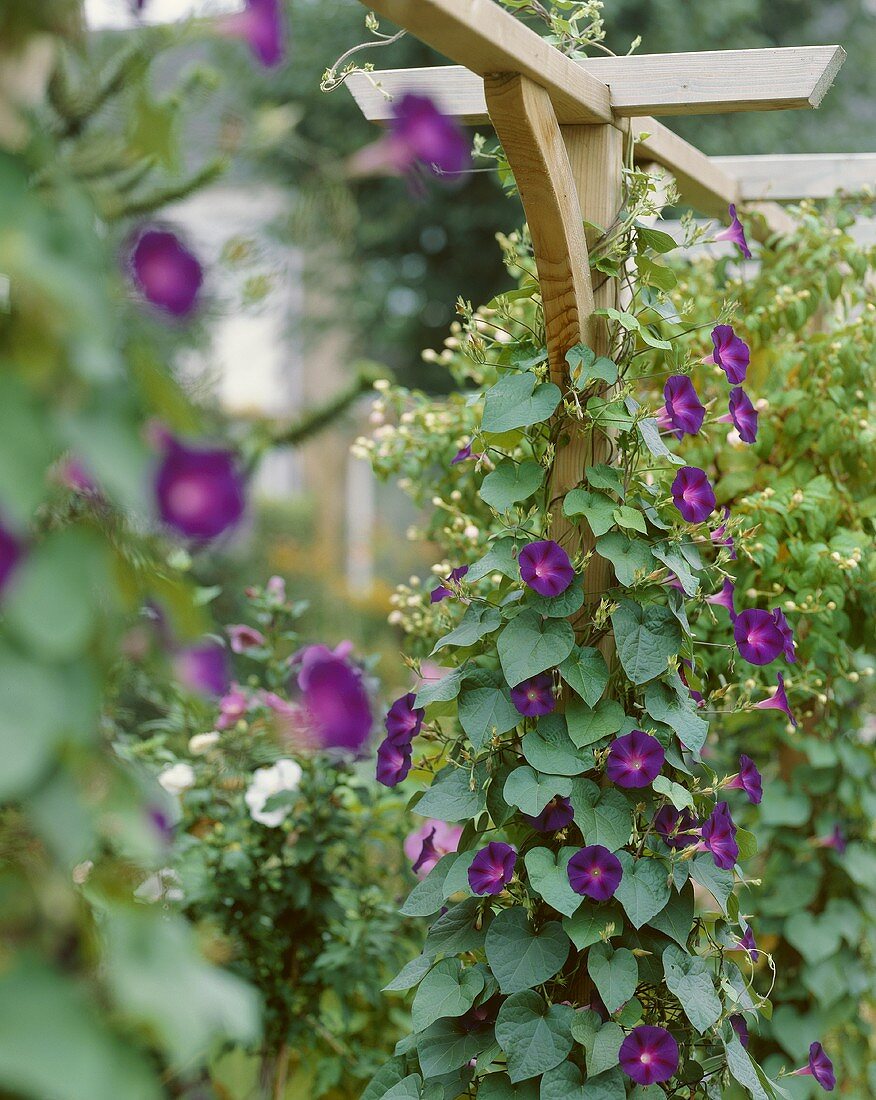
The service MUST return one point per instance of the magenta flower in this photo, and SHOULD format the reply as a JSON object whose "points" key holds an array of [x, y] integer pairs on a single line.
{"points": [[747, 779], [747, 943], [403, 720], [724, 598], [730, 352], [393, 763], [418, 135], [836, 840], [202, 668], [261, 26], [717, 536], [441, 592], [735, 233], [198, 490], [693, 494], [546, 568], [684, 410], [787, 635], [463, 454], [678, 828], [739, 1025], [820, 1067], [165, 272], [426, 845], [73, 475], [244, 637], [743, 415], [634, 760], [11, 553], [492, 868], [649, 1055], [719, 837], [558, 814], [757, 637], [334, 700], [778, 701], [535, 696], [232, 707], [595, 872]]}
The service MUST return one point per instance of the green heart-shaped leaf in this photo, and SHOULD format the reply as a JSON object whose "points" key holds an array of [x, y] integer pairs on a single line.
{"points": [[549, 876], [531, 791], [449, 989], [529, 645], [587, 725], [646, 638], [550, 749], [518, 400], [615, 974], [511, 482], [689, 978], [534, 1036], [644, 888], [521, 958], [586, 673], [593, 922], [603, 815]]}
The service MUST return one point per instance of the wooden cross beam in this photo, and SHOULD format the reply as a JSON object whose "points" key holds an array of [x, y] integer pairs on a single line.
{"points": [[801, 176]]}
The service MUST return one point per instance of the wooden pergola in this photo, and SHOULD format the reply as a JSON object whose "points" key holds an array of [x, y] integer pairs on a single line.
{"points": [[564, 126]]}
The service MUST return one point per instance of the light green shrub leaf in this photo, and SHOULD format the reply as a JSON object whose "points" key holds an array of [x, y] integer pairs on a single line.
{"points": [[518, 400], [689, 978], [510, 483], [597, 508], [615, 974], [628, 556]]}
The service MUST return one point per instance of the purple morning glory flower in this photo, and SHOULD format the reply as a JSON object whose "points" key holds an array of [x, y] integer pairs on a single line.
{"points": [[244, 637], [649, 1055], [198, 490], [403, 720], [757, 636], [743, 415], [535, 696], [427, 844], [232, 707], [202, 668], [393, 763], [747, 943], [334, 699], [165, 272], [634, 760], [730, 352], [418, 134], [558, 814], [719, 837], [684, 410], [161, 823], [441, 592], [747, 779], [820, 1067], [11, 552], [836, 840], [717, 536], [787, 635], [739, 1025], [724, 598], [735, 233], [463, 454], [261, 26], [546, 568], [492, 868], [693, 494], [595, 872], [678, 828], [778, 701]]}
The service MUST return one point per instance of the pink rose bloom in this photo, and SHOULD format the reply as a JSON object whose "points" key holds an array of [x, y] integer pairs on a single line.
{"points": [[426, 845]]}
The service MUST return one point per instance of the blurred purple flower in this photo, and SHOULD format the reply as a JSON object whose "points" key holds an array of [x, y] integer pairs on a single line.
{"points": [[262, 26], [11, 553], [742, 415], [198, 490], [202, 668], [418, 134], [747, 943], [165, 272], [244, 637], [678, 828], [836, 839], [693, 494], [545, 567], [684, 410], [820, 1067], [735, 233], [393, 763], [492, 868], [232, 707], [634, 760], [595, 872], [787, 635], [442, 591], [737, 1022], [426, 845], [535, 696], [649, 1055], [697, 696], [724, 598], [747, 779], [757, 636], [334, 699], [730, 352], [161, 823], [558, 814], [778, 701], [404, 720], [463, 454], [719, 837], [718, 535]]}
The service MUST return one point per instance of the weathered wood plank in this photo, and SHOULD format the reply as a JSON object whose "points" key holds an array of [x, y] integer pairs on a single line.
{"points": [[801, 176], [709, 82]]}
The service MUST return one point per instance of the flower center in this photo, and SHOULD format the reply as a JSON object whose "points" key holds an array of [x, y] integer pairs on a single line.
{"points": [[645, 1058]]}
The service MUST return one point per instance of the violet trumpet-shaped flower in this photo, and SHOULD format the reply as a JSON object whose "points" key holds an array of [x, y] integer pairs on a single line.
{"points": [[724, 598], [747, 779], [719, 837], [426, 845], [747, 943], [243, 637], [787, 635], [678, 828], [393, 763], [441, 592], [404, 720], [262, 26], [836, 839], [558, 814], [463, 454], [735, 233], [635, 759], [535, 696], [649, 1055], [684, 410], [545, 567], [11, 553], [742, 415], [199, 491], [778, 701], [757, 636], [595, 872], [165, 272], [202, 668], [718, 535], [737, 1022], [334, 700], [820, 1067], [730, 352], [418, 135], [492, 868], [693, 495]]}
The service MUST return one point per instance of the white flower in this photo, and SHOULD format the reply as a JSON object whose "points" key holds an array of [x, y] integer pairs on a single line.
{"points": [[164, 885], [177, 778], [285, 775], [202, 742]]}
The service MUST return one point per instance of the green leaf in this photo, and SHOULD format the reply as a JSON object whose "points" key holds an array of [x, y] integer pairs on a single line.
{"points": [[498, 1086], [655, 239], [597, 508], [484, 712], [447, 1045], [586, 673], [534, 1036], [590, 724], [605, 1049], [742, 1069], [630, 518], [628, 556], [451, 798], [679, 796], [387, 1077], [462, 928], [409, 1088], [449, 989], [593, 922], [679, 712], [610, 413], [410, 974], [615, 974], [601, 476], [518, 400], [550, 749], [531, 791], [607, 1086], [649, 429], [529, 645], [689, 978], [563, 1082], [478, 621], [549, 876], [428, 895], [676, 919], [603, 815], [457, 876], [653, 274], [644, 888], [585, 1027], [584, 365], [816, 938], [719, 883], [500, 558], [511, 482], [558, 607], [521, 958], [673, 559], [443, 690], [646, 638]]}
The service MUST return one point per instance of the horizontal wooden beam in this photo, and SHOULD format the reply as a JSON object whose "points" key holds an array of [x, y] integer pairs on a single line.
{"points": [[801, 176], [701, 182], [712, 82]]}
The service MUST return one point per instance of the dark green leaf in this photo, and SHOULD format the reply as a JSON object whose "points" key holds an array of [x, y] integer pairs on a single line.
{"points": [[478, 621], [534, 1036], [521, 958], [593, 922], [590, 724], [531, 791], [550, 749], [448, 1045], [451, 797], [646, 638], [462, 928], [449, 989], [410, 974], [676, 919], [529, 645], [689, 978], [615, 974], [603, 815], [549, 877], [644, 888], [586, 673], [484, 712]]}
